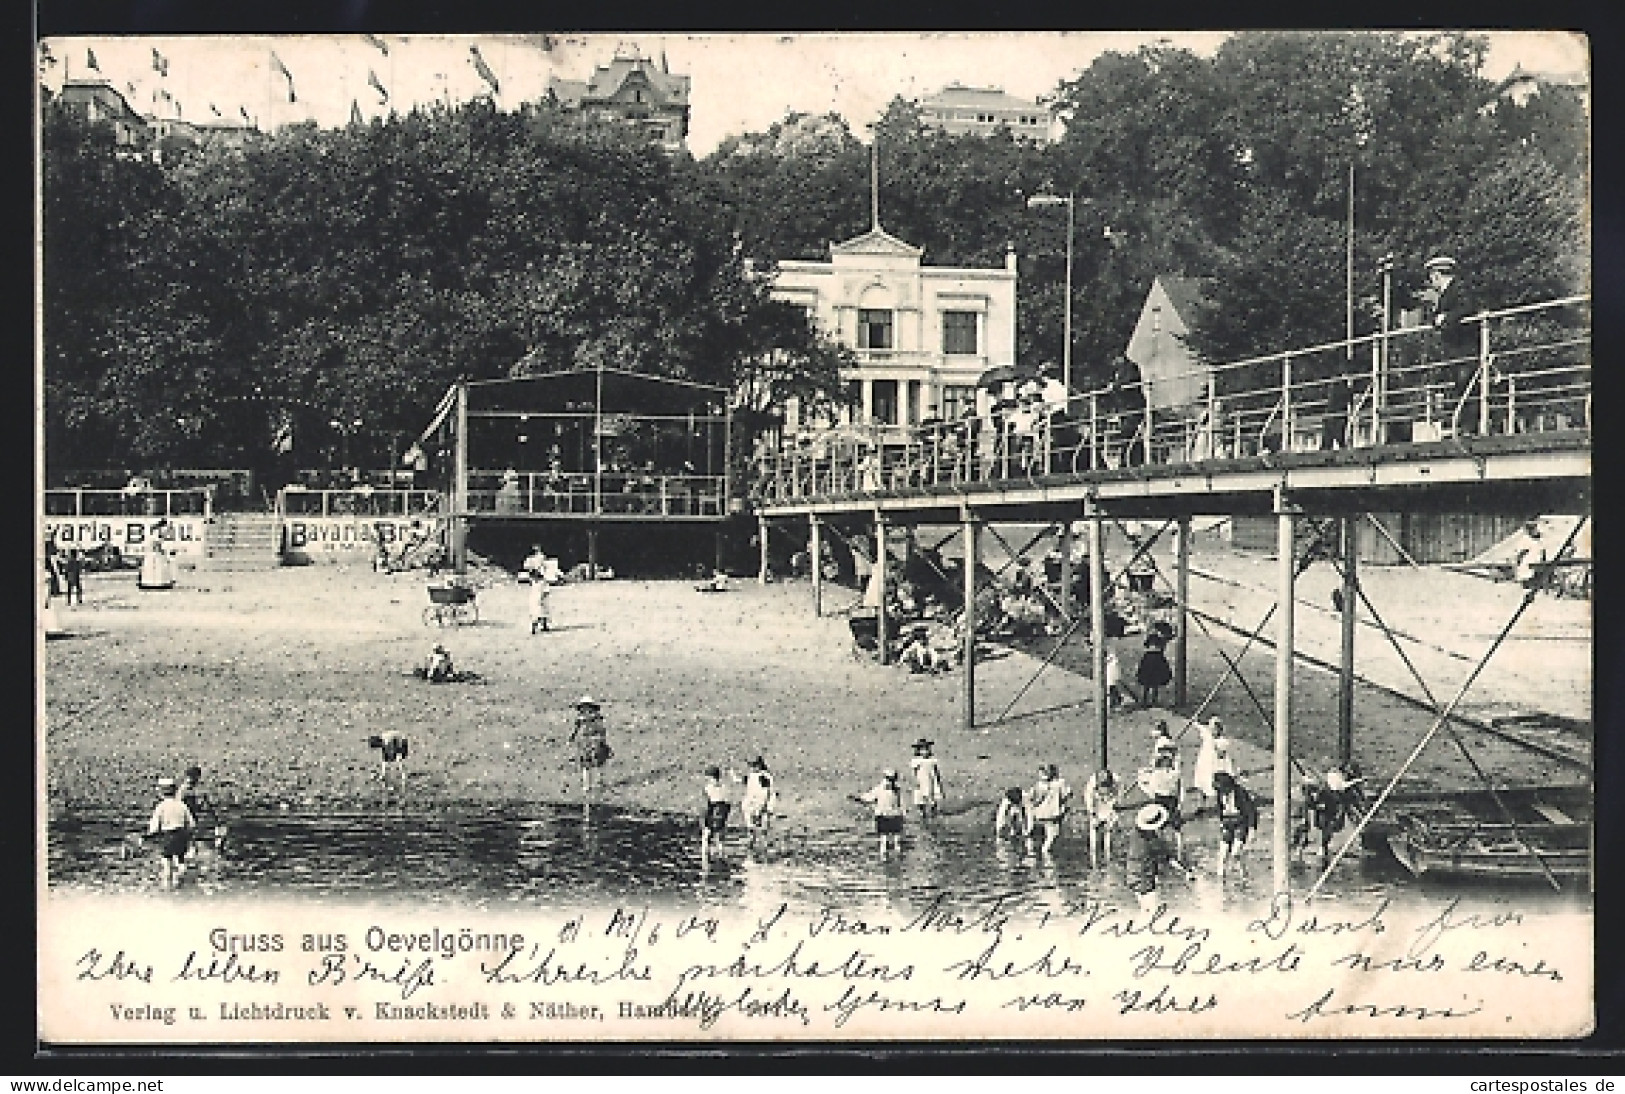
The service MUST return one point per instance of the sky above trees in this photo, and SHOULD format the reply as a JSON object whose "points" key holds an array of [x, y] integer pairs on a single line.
{"points": [[741, 82]]}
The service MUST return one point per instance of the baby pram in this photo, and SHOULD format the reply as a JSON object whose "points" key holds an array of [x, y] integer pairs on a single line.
{"points": [[451, 604]]}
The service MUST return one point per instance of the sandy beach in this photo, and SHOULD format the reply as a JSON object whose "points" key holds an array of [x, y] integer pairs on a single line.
{"points": [[271, 680]]}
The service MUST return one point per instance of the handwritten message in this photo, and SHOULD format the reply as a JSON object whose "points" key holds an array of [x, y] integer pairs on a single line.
{"points": [[999, 968]]}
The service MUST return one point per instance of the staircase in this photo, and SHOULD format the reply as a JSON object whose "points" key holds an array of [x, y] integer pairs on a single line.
{"points": [[244, 541]]}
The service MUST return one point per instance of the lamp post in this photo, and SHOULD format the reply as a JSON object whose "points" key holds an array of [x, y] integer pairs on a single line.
{"points": [[1070, 201]]}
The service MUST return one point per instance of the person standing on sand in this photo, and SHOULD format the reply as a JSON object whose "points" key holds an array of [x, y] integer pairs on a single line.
{"points": [[73, 568], [887, 799], [173, 824], [591, 739], [760, 800], [541, 614], [927, 780]]}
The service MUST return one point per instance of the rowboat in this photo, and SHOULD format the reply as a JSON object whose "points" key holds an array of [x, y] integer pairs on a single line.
{"points": [[1466, 834]]}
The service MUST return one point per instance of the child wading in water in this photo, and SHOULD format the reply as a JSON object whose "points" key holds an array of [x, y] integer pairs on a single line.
{"points": [[1238, 816], [1100, 796], [714, 822], [591, 739], [1011, 822], [1148, 852], [759, 802], [887, 798], [927, 780], [173, 824]]}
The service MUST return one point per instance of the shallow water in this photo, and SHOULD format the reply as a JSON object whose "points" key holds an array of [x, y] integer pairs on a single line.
{"points": [[567, 856]]}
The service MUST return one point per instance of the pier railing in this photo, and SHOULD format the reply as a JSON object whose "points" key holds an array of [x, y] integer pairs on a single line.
{"points": [[363, 501], [1531, 373]]}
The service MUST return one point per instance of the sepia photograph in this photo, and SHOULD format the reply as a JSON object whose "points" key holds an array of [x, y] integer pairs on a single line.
{"points": [[668, 537]]}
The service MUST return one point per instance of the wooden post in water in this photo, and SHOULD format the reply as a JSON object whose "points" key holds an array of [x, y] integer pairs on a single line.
{"points": [[971, 532], [592, 552], [880, 584], [761, 538], [1286, 574], [1345, 674], [1182, 594], [815, 548], [1097, 628]]}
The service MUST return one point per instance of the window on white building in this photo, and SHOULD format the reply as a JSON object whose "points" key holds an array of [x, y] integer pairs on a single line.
{"points": [[885, 402], [874, 329], [959, 332], [956, 399]]}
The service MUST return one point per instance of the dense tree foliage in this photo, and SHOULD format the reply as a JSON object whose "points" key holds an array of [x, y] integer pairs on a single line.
{"points": [[350, 275]]}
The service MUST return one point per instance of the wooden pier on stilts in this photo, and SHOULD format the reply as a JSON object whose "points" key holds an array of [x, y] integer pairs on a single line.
{"points": [[1497, 463]]}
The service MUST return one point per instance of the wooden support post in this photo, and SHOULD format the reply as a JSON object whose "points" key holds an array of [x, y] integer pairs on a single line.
{"points": [[592, 552], [761, 538], [815, 549], [1068, 607], [1286, 574], [1182, 595], [880, 585], [972, 533], [459, 486], [1345, 674], [1097, 629], [717, 560]]}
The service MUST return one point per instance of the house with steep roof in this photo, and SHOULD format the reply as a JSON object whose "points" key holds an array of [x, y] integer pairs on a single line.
{"points": [[922, 335], [632, 89], [982, 111], [1159, 347]]}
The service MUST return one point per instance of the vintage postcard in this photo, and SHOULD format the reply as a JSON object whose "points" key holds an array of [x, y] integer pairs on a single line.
{"points": [[591, 537]]}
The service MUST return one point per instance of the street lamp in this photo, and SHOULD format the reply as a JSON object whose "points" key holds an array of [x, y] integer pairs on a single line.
{"points": [[1070, 201]]}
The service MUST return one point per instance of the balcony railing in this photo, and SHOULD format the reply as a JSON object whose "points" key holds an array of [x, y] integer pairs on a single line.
{"points": [[584, 494], [294, 501], [1532, 374], [78, 502]]}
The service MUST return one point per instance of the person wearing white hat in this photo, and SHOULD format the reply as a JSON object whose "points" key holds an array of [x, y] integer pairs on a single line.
{"points": [[887, 799], [1148, 852], [173, 824], [591, 739]]}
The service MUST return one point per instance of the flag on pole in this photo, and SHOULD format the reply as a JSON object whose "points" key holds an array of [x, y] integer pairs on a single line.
{"points": [[90, 61], [377, 85], [484, 70], [276, 63], [243, 110], [216, 110], [160, 64], [281, 430], [374, 40], [355, 113]]}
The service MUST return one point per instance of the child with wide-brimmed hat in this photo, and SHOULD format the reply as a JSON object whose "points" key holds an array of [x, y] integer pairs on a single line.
{"points": [[1148, 852], [927, 779]]}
